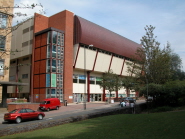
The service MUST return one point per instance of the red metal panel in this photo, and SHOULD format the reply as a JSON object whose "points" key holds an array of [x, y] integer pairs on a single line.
{"points": [[95, 60], [122, 67], [88, 33], [76, 56], [110, 62]]}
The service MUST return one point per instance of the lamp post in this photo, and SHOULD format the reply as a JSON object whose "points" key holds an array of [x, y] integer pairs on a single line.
{"points": [[85, 94]]}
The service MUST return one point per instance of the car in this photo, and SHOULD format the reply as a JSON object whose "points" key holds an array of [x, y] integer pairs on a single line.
{"points": [[18, 115], [49, 104], [129, 99], [149, 99]]}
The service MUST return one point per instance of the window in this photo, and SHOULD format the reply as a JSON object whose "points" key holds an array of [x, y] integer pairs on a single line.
{"points": [[2, 67], [53, 65], [82, 78], [54, 51], [25, 44], [75, 78], [3, 20], [25, 30], [48, 66], [29, 110], [25, 58], [2, 42], [23, 111], [24, 76], [54, 36], [49, 38], [12, 62], [92, 80], [98, 80], [48, 80], [12, 78]]}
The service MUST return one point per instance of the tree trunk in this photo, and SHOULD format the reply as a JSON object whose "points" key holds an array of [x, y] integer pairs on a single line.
{"points": [[4, 96]]}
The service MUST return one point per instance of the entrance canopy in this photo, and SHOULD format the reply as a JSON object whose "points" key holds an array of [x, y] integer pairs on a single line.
{"points": [[3, 83], [4, 90]]}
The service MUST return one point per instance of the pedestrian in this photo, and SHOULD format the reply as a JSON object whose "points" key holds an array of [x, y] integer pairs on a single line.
{"points": [[123, 104]]}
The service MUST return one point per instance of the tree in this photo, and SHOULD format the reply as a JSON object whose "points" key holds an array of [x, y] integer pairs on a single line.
{"points": [[154, 62], [6, 29], [6, 24], [129, 83], [111, 82], [20, 87]]}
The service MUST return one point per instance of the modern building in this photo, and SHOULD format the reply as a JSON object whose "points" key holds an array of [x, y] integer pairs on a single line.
{"points": [[6, 12], [64, 56]]}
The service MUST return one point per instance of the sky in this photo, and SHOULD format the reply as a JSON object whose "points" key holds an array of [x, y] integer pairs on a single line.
{"points": [[127, 18]]}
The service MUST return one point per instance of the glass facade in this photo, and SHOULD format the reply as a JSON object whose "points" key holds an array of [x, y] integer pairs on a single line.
{"points": [[54, 63]]}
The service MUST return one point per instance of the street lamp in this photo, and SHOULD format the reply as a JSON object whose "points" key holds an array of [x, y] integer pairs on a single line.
{"points": [[85, 98]]}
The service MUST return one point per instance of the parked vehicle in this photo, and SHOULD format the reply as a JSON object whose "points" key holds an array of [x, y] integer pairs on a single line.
{"points": [[149, 98], [18, 115], [49, 104], [129, 99]]}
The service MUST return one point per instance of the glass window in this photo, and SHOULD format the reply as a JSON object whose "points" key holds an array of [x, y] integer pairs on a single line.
{"points": [[2, 42], [3, 20], [23, 111], [48, 93], [92, 80], [62, 40], [24, 76], [53, 80], [54, 51], [98, 80], [1, 67], [53, 93], [82, 78], [48, 66], [49, 38], [121, 95], [59, 39], [48, 51], [29, 110], [48, 80], [54, 37], [75, 78], [53, 65], [12, 78], [58, 52], [25, 58]]}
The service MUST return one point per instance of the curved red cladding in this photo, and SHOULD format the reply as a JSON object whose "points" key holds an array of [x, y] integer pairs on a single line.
{"points": [[88, 33]]}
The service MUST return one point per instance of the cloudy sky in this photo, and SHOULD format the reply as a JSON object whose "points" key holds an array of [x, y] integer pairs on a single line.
{"points": [[127, 17]]}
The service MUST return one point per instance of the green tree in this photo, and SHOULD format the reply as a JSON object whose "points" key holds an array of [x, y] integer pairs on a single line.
{"points": [[111, 82], [130, 84], [156, 63]]}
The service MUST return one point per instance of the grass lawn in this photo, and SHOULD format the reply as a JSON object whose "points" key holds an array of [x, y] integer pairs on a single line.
{"points": [[166, 125]]}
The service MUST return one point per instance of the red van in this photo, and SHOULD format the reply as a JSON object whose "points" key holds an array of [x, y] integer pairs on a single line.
{"points": [[50, 103]]}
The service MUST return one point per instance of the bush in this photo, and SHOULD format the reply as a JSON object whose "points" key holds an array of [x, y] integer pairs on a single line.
{"points": [[162, 109], [181, 101]]}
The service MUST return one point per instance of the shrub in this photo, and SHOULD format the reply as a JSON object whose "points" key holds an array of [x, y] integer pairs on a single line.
{"points": [[162, 109]]}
